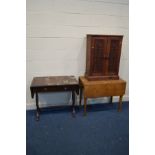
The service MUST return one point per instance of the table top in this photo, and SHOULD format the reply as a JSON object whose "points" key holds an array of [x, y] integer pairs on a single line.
{"points": [[99, 82], [53, 81]]}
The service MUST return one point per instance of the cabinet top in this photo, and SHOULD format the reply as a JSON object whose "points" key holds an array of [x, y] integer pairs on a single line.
{"points": [[103, 35]]}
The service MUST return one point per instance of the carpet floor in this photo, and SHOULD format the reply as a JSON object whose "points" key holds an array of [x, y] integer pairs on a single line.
{"points": [[104, 131]]}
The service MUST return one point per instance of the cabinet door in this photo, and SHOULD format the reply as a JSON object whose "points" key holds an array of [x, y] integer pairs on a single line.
{"points": [[98, 55], [114, 50]]}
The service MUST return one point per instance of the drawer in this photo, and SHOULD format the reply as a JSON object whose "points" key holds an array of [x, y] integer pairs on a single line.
{"points": [[55, 88]]}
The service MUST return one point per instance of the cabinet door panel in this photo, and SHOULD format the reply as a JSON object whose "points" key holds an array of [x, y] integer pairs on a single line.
{"points": [[98, 52], [114, 49]]}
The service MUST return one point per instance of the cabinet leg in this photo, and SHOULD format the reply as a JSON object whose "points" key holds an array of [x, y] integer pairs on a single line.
{"points": [[38, 109], [120, 104], [73, 103], [85, 106]]}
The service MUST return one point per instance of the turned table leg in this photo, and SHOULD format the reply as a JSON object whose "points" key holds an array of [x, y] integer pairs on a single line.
{"points": [[111, 99], [80, 92], [38, 109], [73, 103], [120, 104]]}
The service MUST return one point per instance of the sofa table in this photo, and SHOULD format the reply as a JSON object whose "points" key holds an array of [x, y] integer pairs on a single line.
{"points": [[53, 84], [101, 88]]}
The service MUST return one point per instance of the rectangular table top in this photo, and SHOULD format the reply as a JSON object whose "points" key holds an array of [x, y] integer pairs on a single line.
{"points": [[85, 81], [53, 81], [101, 88]]}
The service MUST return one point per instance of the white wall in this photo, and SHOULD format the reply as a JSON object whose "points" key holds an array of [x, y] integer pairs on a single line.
{"points": [[56, 43]]}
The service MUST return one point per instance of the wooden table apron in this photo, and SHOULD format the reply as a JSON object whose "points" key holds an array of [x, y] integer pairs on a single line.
{"points": [[74, 88]]}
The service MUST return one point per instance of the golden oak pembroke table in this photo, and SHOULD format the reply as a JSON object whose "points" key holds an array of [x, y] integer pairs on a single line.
{"points": [[101, 88]]}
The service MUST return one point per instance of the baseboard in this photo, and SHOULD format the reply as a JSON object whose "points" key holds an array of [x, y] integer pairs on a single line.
{"points": [[31, 106], [116, 98]]}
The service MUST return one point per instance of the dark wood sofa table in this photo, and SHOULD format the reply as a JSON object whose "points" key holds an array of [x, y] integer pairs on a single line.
{"points": [[53, 84]]}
